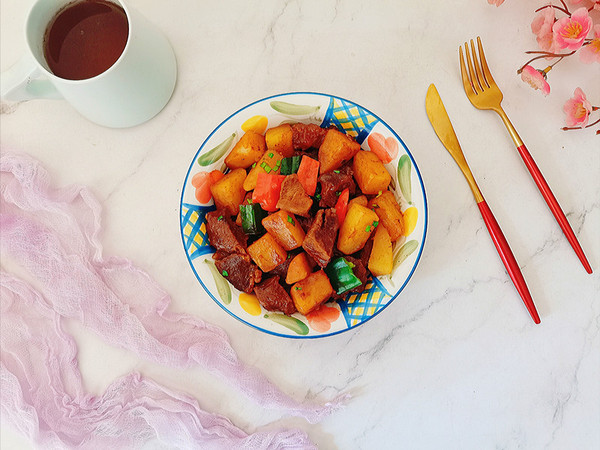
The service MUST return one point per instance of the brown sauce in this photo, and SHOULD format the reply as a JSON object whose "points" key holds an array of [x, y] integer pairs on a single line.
{"points": [[85, 38]]}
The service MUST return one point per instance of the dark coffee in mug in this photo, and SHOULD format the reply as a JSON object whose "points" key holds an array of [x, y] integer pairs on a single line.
{"points": [[85, 38]]}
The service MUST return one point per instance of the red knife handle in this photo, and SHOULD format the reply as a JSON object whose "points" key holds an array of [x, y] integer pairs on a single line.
{"points": [[506, 254], [553, 205]]}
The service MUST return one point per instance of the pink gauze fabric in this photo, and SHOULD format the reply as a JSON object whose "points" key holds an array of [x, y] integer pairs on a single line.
{"points": [[54, 234]]}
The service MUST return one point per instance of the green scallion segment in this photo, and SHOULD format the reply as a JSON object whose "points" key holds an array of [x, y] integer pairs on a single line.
{"points": [[290, 165], [224, 273], [252, 216], [290, 219]]}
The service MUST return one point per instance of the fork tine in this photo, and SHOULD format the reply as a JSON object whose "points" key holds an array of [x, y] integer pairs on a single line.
{"points": [[464, 75], [486, 70], [480, 78], [472, 77]]}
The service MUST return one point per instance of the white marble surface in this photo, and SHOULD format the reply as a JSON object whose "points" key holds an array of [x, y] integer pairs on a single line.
{"points": [[455, 361]]}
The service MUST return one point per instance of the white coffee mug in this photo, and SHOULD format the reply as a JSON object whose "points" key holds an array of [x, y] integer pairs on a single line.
{"points": [[133, 90]]}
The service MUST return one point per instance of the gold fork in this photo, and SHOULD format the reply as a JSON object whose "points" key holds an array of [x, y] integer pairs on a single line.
{"points": [[483, 92]]}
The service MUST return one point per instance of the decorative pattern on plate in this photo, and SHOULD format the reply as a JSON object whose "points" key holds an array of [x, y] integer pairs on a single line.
{"points": [[358, 307], [305, 107], [193, 227], [350, 118]]}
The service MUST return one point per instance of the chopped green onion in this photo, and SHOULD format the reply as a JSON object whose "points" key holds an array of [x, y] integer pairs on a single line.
{"points": [[270, 155], [253, 165], [337, 193], [375, 224], [291, 220], [368, 228], [336, 171], [318, 196], [298, 288], [225, 273], [220, 218]]}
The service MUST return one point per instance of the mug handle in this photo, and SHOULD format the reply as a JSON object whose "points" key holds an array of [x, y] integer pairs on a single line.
{"points": [[23, 81]]}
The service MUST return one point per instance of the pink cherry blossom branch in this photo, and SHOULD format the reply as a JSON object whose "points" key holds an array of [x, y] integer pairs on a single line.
{"points": [[542, 54], [564, 9]]}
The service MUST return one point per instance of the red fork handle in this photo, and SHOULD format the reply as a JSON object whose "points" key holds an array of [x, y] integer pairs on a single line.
{"points": [[506, 254], [553, 205]]}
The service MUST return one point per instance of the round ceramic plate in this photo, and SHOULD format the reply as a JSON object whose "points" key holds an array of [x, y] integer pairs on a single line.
{"points": [[373, 134]]}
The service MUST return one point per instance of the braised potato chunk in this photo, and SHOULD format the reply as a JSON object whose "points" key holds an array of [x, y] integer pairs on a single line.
{"points": [[311, 292], [370, 173], [247, 151], [381, 260], [229, 192], [360, 222], [286, 230], [336, 148], [279, 139], [267, 253], [388, 210]]}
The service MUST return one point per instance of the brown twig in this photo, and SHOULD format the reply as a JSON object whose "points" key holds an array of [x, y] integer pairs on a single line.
{"points": [[541, 54], [581, 128]]}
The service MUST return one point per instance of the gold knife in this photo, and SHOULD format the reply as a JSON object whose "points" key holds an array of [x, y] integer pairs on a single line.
{"points": [[443, 128]]}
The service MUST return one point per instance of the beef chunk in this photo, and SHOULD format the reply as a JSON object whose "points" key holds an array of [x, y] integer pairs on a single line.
{"points": [[240, 271], [360, 271], [320, 238], [273, 297], [281, 269], [305, 222], [305, 136], [224, 235], [293, 197], [333, 183]]}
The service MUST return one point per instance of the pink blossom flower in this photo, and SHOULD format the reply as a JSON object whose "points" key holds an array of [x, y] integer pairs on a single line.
{"points": [[591, 52], [536, 79], [570, 32], [495, 2], [577, 109], [595, 4], [542, 28], [588, 3]]}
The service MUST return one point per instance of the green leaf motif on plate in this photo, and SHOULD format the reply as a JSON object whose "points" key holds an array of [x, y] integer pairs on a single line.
{"points": [[404, 167], [297, 326], [216, 153], [222, 284], [405, 251], [291, 109]]}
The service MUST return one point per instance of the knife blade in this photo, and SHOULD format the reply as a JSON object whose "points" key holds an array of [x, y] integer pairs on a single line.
{"points": [[440, 121]]}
